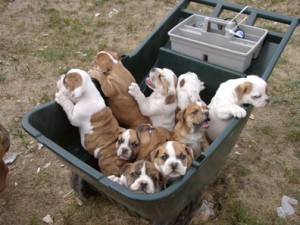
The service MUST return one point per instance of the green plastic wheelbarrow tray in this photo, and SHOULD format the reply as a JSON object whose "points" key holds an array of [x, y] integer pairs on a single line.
{"points": [[49, 125]]}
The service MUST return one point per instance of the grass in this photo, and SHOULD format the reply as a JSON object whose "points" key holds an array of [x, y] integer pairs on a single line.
{"points": [[34, 220], [236, 167], [23, 48], [238, 214], [2, 77]]}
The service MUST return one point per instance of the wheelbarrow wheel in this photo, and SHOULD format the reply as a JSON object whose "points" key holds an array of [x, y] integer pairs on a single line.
{"points": [[83, 188]]}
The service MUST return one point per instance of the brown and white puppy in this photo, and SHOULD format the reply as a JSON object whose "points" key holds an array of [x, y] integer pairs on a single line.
{"points": [[161, 105], [4, 147], [140, 176], [151, 138], [188, 89], [190, 129], [229, 98], [172, 159], [128, 145], [115, 79], [86, 109]]}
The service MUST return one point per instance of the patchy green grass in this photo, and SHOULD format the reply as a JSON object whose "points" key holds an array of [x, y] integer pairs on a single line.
{"points": [[34, 220], [238, 214], [2, 77], [236, 167]]}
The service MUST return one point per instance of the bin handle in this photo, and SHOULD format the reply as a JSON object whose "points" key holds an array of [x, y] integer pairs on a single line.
{"points": [[232, 31]]}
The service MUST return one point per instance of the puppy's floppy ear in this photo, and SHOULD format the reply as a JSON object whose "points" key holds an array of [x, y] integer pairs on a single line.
{"points": [[175, 80], [115, 55], [142, 128], [125, 168], [244, 88], [121, 130], [179, 115], [171, 98], [103, 61], [154, 154], [182, 82], [190, 153]]}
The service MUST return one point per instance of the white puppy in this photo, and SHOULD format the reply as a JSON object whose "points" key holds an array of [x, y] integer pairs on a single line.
{"points": [[78, 103], [161, 105], [188, 89], [229, 98], [86, 109]]}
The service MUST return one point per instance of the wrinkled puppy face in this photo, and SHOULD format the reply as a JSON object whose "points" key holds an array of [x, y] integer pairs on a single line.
{"points": [[128, 145], [4, 141], [253, 91], [162, 81], [109, 64], [172, 159], [195, 115], [142, 176]]}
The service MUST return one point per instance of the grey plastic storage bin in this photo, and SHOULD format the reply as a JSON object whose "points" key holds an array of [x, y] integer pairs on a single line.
{"points": [[213, 40]]}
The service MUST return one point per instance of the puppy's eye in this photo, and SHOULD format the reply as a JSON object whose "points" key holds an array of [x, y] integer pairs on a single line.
{"points": [[134, 145], [256, 96], [164, 157], [120, 141], [181, 156], [195, 112], [150, 129], [134, 175]]}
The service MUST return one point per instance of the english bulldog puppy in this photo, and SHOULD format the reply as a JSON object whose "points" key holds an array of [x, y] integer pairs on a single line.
{"points": [[229, 98], [86, 109], [140, 176], [188, 89], [151, 138], [172, 160], [161, 105], [128, 145], [191, 126], [114, 80], [4, 147]]}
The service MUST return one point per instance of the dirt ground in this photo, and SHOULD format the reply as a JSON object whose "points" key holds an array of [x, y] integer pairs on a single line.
{"points": [[39, 40]]}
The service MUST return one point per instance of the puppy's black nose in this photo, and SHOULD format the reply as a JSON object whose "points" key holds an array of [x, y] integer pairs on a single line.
{"points": [[174, 166], [268, 100], [206, 114], [124, 151], [143, 185]]}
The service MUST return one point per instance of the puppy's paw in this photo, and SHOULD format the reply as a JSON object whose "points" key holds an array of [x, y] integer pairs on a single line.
{"points": [[202, 87], [60, 97], [134, 89], [59, 83], [113, 178], [238, 112]]}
